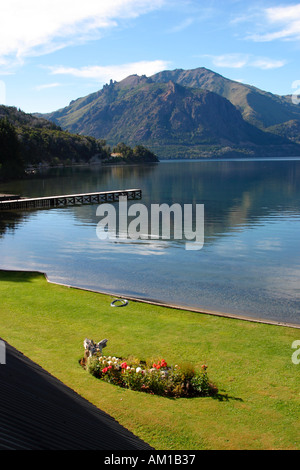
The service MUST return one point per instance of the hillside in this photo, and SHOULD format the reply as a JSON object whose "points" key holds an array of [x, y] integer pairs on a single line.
{"points": [[42, 141], [172, 119], [27, 140]]}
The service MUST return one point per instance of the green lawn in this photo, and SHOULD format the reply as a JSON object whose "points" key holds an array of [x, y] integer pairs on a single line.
{"points": [[258, 405]]}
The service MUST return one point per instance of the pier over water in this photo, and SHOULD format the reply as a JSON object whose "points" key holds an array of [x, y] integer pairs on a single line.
{"points": [[69, 200]]}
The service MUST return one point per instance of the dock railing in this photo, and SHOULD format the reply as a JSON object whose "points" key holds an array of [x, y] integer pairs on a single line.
{"points": [[70, 199]]}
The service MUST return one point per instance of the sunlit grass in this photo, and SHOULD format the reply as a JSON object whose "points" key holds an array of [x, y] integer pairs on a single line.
{"points": [[258, 404]]}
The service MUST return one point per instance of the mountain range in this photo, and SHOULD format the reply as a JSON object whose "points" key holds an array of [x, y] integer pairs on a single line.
{"points": [[187, 114]]}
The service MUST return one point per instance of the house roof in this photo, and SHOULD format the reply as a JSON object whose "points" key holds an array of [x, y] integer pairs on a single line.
{"points": [[38, 412]]}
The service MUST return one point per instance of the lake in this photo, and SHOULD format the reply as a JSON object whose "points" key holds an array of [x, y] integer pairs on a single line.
{"points": [[249, 264]]}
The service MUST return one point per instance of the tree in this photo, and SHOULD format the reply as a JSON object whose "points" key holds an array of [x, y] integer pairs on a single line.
{"points": [[10, 154], [142, 154], [124, 150]]}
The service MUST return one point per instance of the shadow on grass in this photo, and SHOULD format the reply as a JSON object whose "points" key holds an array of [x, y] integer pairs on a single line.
{"points": [[19, 276], [225, 397], [216, 396]]}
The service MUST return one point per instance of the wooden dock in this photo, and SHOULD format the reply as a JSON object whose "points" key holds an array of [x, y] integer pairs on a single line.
{"points": [[69, 200], [8, 197]]}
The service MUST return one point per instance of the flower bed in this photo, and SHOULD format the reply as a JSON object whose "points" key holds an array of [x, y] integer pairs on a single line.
{"points": [[151, 377]]}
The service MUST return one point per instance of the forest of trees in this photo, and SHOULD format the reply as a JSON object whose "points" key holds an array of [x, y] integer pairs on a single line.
{"points": [[137, 154], [11, 161], [27, 141]]}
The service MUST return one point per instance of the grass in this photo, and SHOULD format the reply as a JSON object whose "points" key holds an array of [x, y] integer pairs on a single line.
{"points": [[258, 404]]}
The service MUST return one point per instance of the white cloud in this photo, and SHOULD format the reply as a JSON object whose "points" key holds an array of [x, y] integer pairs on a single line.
{"points": [[240, 80], [238, 61], [115, 72], [47, 85], [267, 64], [33, 27], [284, 22], [235, 61], [182, 26]]}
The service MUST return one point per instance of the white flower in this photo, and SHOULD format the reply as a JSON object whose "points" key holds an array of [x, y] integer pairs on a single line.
{"points": [[138, 369], [128, 367], [109, 363]]}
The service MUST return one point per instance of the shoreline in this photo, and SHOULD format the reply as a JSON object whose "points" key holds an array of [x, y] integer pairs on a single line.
{"points": [[200, 310], [252, 364]]}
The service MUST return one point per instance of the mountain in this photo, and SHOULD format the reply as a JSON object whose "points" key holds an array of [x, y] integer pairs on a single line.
{"points": [[258, 107], [185, 114]]}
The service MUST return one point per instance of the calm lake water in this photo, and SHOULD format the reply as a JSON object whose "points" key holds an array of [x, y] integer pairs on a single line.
{"points": [[250, 261]]}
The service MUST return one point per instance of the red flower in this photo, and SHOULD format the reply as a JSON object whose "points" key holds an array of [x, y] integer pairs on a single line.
{"points": [[124, 365], [160, 364], [105, 370], [204, 367]]}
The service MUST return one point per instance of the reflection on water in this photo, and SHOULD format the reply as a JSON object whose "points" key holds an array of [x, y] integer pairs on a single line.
{"points": [[250, 262]]}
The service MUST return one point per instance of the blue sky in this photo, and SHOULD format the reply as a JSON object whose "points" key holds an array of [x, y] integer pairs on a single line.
{"points": [[54, 51]]}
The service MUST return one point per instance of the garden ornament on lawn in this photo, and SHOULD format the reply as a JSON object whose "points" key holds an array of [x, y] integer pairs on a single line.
{"points": [[92, 348], [101, 345], [119, 303]]}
